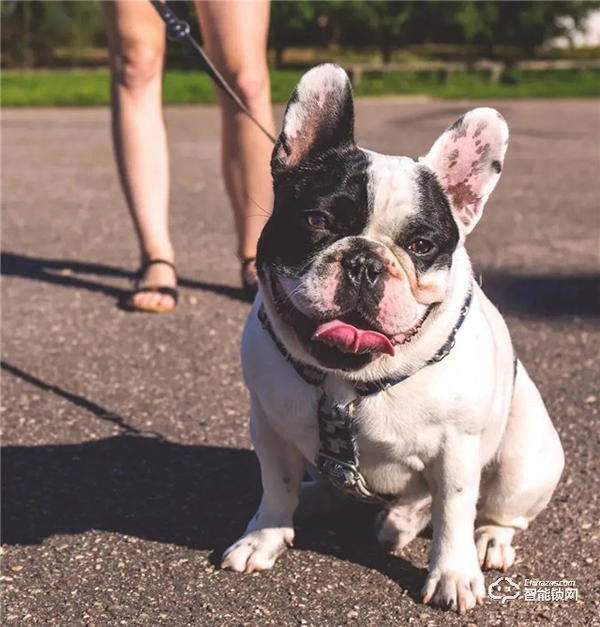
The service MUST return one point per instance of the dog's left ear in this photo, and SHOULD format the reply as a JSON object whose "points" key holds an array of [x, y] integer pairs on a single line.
{"points": [[468, 160], [319, 117]]}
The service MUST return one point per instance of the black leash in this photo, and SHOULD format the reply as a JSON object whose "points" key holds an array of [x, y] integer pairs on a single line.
{"points": [[179, 30]]}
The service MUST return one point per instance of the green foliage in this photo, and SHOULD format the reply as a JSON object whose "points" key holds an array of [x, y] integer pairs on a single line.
{"points": [[490, 27], [523, 24], [292, 24], [91, 88], [33, 31]]}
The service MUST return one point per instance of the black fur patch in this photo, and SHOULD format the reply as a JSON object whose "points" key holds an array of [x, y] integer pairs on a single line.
{"points": [[459, 128], [457, 124], [334, 183], [433, 222]]}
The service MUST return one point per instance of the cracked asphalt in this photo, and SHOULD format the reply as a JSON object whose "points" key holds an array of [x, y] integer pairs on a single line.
{"points": [[126, 461]]}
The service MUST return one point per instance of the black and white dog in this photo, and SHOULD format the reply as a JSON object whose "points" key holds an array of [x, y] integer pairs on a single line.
{"points": [[372, 354]]}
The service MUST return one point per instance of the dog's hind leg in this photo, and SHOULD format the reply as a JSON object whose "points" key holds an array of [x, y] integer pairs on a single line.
{"points": [[520, 482], [271, 530], [401, 523]]}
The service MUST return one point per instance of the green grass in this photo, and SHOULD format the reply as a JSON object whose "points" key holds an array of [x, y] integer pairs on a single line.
{"points": [[476, 85], [91, 88]]}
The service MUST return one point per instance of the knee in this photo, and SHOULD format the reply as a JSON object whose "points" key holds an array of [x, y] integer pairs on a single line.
{"points": [[252, 87], [137, 65]]}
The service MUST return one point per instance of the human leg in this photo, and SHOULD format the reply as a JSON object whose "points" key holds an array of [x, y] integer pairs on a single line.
{"points": [[235, 35], [136, 38]]}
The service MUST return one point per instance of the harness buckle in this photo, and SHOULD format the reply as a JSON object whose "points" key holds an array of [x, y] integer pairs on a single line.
{"points": [[343, 475]]}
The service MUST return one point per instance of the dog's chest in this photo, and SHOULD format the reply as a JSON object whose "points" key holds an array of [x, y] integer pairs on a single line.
{"points": [[392, 439], [395, 441]]}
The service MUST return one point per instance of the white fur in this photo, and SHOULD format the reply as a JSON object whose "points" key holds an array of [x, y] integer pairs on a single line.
{"points": [[318, 86], [393, 193], [435, 432], [462, 434]]}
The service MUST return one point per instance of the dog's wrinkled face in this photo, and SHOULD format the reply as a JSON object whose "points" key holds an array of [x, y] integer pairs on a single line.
{"points": [[359, 249]]}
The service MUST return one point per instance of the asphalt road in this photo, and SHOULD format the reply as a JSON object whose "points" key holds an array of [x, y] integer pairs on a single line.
{"points": [[126, 459]]}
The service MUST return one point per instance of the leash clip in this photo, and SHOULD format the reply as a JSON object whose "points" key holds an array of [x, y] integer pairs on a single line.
{"points": [[177, 29]]}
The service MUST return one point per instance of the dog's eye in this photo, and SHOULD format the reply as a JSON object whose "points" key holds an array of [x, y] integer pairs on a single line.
{"points": [[421, 246], [316, 220]]}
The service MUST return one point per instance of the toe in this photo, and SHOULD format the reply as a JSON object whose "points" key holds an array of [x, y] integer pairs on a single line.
{"points": [[153, 300]]}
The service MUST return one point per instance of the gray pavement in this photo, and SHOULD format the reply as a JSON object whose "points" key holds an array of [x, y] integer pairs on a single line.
{"points": [[126, 461]]}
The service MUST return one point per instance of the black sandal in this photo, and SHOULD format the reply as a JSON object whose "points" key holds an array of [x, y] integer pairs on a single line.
{"points": [[249, 288], [156, 289]]}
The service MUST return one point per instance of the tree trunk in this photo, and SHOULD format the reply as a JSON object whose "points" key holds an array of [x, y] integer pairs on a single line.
{"points": [[386, 50]]}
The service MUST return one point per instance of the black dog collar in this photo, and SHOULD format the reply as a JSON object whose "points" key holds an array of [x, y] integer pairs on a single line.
{"points": [[337, 459]]}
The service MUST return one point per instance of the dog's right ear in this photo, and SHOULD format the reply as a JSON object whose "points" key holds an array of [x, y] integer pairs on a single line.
{"points": [[319, 117]]}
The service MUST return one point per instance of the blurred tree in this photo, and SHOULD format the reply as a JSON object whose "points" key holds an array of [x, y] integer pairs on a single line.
{"points": [[522, 24], [33, 30], [380, 22], [292, 24]]}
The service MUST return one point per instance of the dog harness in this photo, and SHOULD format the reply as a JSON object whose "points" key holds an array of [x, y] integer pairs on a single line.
{"points": [[338, 455]]}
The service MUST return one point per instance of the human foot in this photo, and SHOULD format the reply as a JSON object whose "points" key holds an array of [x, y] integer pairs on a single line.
{"points": [[155, 289]]}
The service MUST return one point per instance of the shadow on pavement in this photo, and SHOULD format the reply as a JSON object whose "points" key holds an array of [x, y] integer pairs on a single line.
{"points": [[530, 295], [76, 399], [543, 295], [146, 487], [64, 272], [196, 496]]}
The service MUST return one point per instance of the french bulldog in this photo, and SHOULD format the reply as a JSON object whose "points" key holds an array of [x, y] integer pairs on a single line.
{"points": [[364, 277]]}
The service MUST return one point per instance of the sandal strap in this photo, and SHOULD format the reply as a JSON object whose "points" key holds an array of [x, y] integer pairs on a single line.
{"points": [[152, 262]]}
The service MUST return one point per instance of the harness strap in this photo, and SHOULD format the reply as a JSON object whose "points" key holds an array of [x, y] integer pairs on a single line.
{"points": [[338, 457], [312, 376]]}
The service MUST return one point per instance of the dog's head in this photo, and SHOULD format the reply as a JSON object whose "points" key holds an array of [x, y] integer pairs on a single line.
{"points": [[359, 249]]}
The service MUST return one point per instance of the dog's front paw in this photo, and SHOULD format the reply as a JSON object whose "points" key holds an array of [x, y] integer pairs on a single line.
{"points": [[454, 589], [258, 549]]}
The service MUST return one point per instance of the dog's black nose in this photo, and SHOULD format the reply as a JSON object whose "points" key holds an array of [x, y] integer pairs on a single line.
{"points": [[363, 266]]}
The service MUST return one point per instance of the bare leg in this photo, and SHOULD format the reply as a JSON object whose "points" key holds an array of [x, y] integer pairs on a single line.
{"points": [[136, 37], [235, 33]]}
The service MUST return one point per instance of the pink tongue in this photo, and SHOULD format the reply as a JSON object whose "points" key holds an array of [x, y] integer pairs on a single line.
{"points": [[349, 339]]}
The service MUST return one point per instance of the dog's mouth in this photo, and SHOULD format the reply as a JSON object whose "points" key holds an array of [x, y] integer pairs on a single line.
{"points": [[351, 334]]}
